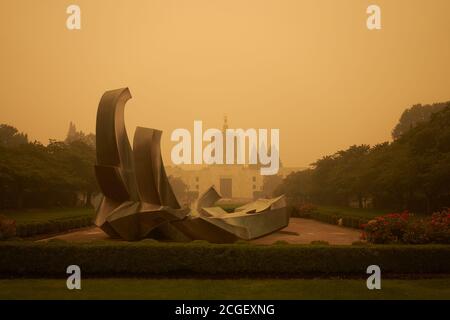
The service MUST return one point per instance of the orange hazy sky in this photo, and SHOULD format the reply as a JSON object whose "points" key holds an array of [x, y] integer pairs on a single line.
{"points": [[310, 68]]}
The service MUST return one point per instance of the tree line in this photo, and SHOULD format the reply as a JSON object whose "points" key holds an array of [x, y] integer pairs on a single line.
{"points": [[410, 173], [33, 175], [60, 174]]}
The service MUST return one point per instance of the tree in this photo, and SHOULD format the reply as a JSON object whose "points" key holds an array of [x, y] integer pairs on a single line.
{"points": [[297, 185], [34, 175], [11, 137], [411, 173], [270, 184], [415, 115], [74, 135]]}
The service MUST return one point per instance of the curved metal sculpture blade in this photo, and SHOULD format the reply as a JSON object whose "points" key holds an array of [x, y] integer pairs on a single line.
{"points": [[152, 181], [137, 194], [114, 169]]}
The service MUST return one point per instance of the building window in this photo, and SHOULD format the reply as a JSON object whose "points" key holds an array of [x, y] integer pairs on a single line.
{"points": [[254, 187], [197, 179], [197, 187], [254, 179]]}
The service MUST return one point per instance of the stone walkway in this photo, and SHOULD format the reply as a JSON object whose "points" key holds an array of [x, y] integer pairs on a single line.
{"points": [[301, 231], [81, 235]]}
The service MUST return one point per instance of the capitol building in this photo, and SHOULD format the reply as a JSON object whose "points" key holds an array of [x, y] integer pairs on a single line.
{"points": [[233, 181]]}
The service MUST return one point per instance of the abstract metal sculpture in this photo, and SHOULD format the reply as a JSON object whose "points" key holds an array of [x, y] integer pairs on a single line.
{"points": [[138, 201], [253, 220]]}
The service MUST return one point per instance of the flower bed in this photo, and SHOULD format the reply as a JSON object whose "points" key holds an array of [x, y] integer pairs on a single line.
{"points": [[7, 227], [401, 228]]}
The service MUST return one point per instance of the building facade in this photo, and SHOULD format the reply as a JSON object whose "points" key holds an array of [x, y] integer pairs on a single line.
{"points": [[233, 181]]}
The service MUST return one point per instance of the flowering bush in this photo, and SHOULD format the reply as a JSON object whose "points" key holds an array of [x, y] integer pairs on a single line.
{"points": [[301, 208], [439, 227], [400, 228], [7, 227], [386, 229], [305, 207], [416, 233]]}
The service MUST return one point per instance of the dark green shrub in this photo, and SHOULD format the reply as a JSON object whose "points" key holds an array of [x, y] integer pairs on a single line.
{"points": [[20, 230], [332, 218], [360, 243], [52, 226], [320, 242], [32, 229], [142, 258], [281, 243], [40, 228], [241, 242]]}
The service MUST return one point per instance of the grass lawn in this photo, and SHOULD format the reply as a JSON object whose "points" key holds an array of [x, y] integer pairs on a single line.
{"points": [[224, 289], [29, 216]]}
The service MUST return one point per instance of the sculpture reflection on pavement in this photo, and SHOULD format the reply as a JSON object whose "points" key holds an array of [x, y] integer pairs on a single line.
{"points": [[138, 201]]}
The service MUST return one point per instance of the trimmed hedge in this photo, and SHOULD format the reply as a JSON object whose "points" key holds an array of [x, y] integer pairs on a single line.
{"points": [[198, 258], [350, 222], [52, 226]]}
